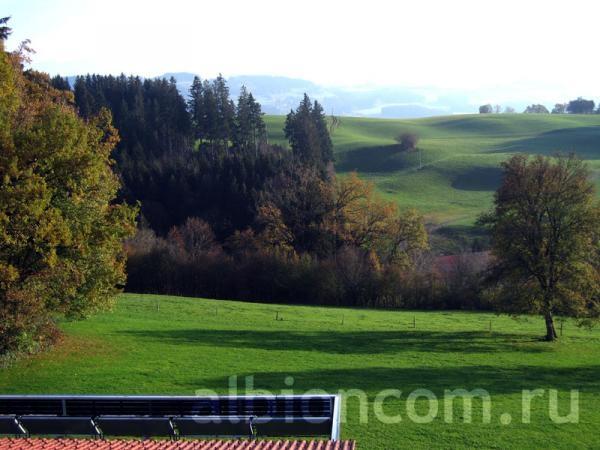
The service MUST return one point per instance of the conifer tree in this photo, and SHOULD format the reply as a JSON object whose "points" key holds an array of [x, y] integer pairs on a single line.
{"points": [[306, 129], [250, 129], [196, 108], [225, 122]]}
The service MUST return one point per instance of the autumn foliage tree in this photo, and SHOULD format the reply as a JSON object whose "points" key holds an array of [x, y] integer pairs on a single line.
{"points": [[544, 232], [60, 231], [363, 219]]}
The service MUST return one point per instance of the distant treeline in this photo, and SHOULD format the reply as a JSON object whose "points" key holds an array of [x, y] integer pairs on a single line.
{"points": [[577, 106], [225, 214]]}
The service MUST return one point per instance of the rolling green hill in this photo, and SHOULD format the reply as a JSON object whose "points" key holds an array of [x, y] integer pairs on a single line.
{"points": [[460, 155], [174, 345]]}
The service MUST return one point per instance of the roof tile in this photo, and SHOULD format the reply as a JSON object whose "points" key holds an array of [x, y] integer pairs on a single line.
{"points": [[100, 444]]}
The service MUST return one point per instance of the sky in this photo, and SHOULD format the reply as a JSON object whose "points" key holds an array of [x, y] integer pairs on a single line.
{"points": [[498, 50]]}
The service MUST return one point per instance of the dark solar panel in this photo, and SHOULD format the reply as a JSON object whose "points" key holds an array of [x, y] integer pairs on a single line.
{"points": [[9, 425], [149, 416], [31, 406], [213, 427], [135, 426], [59, 426], [316, 426]]}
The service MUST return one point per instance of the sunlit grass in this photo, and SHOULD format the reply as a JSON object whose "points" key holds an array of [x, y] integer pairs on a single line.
{"points": [[460, 155], [171, 345]]}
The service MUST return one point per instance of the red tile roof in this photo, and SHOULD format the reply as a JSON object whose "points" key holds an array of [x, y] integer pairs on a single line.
{"points": [[100, 444]]}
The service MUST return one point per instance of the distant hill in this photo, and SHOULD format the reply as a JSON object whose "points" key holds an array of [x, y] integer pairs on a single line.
{"points": [[461, 156], [278, 95]]}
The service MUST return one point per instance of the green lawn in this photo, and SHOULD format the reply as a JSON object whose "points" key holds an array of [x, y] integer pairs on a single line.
{"points": [[461, 155], [169, 345]]}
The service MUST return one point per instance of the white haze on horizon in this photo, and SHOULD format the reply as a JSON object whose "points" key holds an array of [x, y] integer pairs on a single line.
{"points": [[498, 52]]}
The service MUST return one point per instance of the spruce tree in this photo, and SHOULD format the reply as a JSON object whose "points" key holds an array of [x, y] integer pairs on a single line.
{"points": [[306, 129], [225, 122], [196, 108], [250, 129]]}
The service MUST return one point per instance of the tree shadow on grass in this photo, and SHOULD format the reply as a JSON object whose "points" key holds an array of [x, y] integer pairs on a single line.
{"points": [[584, 141], [382, 159], [350, 342], [494, 379], [479, 179]]}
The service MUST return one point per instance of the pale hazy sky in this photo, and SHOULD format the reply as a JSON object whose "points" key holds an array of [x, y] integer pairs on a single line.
{"points": [[539, 49]]}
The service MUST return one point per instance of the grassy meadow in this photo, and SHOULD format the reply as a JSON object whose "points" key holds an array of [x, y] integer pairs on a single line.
{"points": [[460, 155], [171, 345]]}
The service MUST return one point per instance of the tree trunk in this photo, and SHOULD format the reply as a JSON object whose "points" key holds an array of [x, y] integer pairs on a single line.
{"points": [[550, 331]]}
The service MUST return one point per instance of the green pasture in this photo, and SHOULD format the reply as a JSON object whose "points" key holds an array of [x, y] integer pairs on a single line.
{"points": [[460, 155], [171, 345]]}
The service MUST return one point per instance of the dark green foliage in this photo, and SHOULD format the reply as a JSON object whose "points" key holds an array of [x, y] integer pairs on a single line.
{"points": [[5, 30], [250, 130], [581, 106], [150, 114], [197, 109], [156, 136], [306, 129], [60, 83], [536, 109]]}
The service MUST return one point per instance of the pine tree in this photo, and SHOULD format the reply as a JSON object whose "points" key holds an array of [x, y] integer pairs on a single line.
{"points": [[196, 108], [5, 31], [225, 122], [211, 114], [306, 129], [60, 83], [325, 144], [83, 98], [250, 129]]}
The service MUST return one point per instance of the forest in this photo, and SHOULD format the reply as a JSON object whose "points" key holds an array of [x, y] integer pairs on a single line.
{"points": [[225, 214]]}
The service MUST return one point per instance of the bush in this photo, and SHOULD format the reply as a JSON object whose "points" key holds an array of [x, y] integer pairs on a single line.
{"points": [[408, 141]]}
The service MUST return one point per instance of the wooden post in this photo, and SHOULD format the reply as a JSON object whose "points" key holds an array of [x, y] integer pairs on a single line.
{"points": [[414, 322], [490, 325], [342, 319], [277, 315], [561, 327]]}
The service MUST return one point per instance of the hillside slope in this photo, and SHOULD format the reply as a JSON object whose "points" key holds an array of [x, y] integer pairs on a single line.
{"points": [[460, 155]]}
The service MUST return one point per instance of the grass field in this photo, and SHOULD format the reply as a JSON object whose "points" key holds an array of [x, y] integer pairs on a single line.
{"points": [[460, 154], [169, 345]]}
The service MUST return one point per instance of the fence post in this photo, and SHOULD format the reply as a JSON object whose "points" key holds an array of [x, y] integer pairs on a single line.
{"points": [[561, 327]]}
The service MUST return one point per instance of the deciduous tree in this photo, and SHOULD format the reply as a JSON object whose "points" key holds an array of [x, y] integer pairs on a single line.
{"points": [[581, 106], [60, 229], [536, 109], [544, 231]]}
